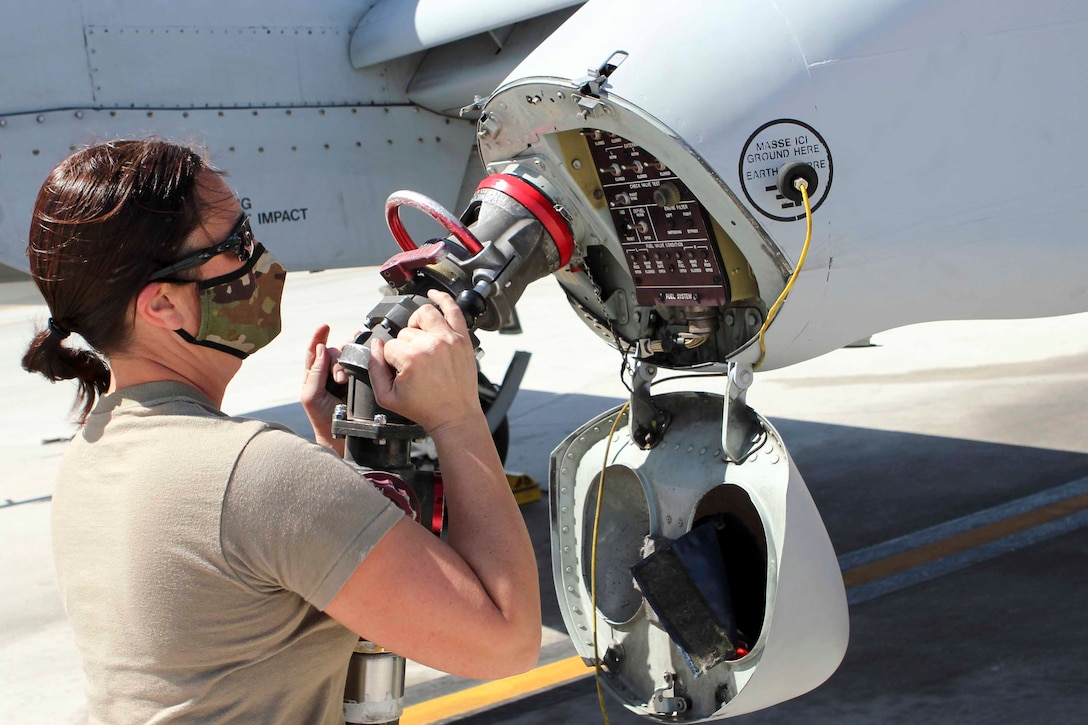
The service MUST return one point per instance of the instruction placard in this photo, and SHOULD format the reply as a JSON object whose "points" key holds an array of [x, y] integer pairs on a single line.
{"points": [[772, 146]]}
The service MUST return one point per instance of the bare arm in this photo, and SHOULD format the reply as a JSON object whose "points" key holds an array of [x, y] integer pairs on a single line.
{"points": [[471, 607]]}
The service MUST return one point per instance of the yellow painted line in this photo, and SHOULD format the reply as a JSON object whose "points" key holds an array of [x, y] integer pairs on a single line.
{"points": [[492, 693], [961, 542], [489, 694]]}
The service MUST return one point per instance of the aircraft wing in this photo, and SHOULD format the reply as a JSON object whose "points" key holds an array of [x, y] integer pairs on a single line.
{"points": [[316, 111]]}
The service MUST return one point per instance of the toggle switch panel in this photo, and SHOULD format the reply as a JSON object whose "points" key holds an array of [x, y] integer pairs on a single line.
{"points": [[664, 230]]}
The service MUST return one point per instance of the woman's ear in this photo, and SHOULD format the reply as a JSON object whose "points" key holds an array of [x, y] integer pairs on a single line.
{"points": [[168, 305]]}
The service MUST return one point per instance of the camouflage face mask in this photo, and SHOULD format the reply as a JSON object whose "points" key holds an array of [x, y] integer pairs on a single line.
{"points": [[240, 311]]}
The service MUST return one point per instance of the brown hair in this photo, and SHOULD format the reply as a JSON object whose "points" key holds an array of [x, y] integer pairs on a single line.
{"points": [[106, 218]]}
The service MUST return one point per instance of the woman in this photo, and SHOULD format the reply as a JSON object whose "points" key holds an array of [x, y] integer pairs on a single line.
{"points": [[217, 568]]}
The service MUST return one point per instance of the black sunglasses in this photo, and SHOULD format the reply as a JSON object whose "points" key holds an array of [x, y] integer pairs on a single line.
{"points": [[240, 242]]}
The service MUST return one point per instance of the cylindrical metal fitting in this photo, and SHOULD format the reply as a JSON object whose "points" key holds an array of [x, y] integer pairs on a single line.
{"points": [[374, 691]]}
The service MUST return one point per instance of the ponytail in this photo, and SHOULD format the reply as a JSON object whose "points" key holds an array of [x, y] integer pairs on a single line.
{"points": [[48, 356]]}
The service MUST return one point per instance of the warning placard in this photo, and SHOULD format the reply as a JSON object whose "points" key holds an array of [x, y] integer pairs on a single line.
{"points": [[772, 146]]}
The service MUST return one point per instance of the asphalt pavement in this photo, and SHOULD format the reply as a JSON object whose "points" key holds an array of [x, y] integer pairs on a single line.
{"points": [[949, 461]]}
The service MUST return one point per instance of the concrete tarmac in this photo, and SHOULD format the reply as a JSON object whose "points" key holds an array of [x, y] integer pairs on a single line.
{"points": [[930, 424]]}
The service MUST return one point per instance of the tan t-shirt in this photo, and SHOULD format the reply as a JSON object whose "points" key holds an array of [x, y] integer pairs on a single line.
{"points": [[195, 552]]}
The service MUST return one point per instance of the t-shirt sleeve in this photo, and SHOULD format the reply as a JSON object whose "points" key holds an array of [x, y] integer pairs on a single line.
{"points": [[297, 517]]}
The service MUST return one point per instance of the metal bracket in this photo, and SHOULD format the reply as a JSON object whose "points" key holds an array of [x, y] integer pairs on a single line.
{"points": [[376, 430], [742, 433], [591, 84], [668, 700], [489, 125], [513, 325], [508, 389], [477, 104], [648, 422]]}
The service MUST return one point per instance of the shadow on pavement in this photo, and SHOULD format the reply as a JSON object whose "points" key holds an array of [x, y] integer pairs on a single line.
{"points": [[998, 642]]}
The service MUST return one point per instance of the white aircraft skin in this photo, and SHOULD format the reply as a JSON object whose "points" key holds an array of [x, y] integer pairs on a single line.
{"points": [[944, 135], [952, 126]]}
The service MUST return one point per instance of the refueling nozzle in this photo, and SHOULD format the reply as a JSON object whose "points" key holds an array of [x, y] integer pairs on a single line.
{"points": [[511, 234]]}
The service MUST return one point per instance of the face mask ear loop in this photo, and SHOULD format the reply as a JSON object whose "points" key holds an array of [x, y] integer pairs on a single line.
{"points": [[214, 346]]}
